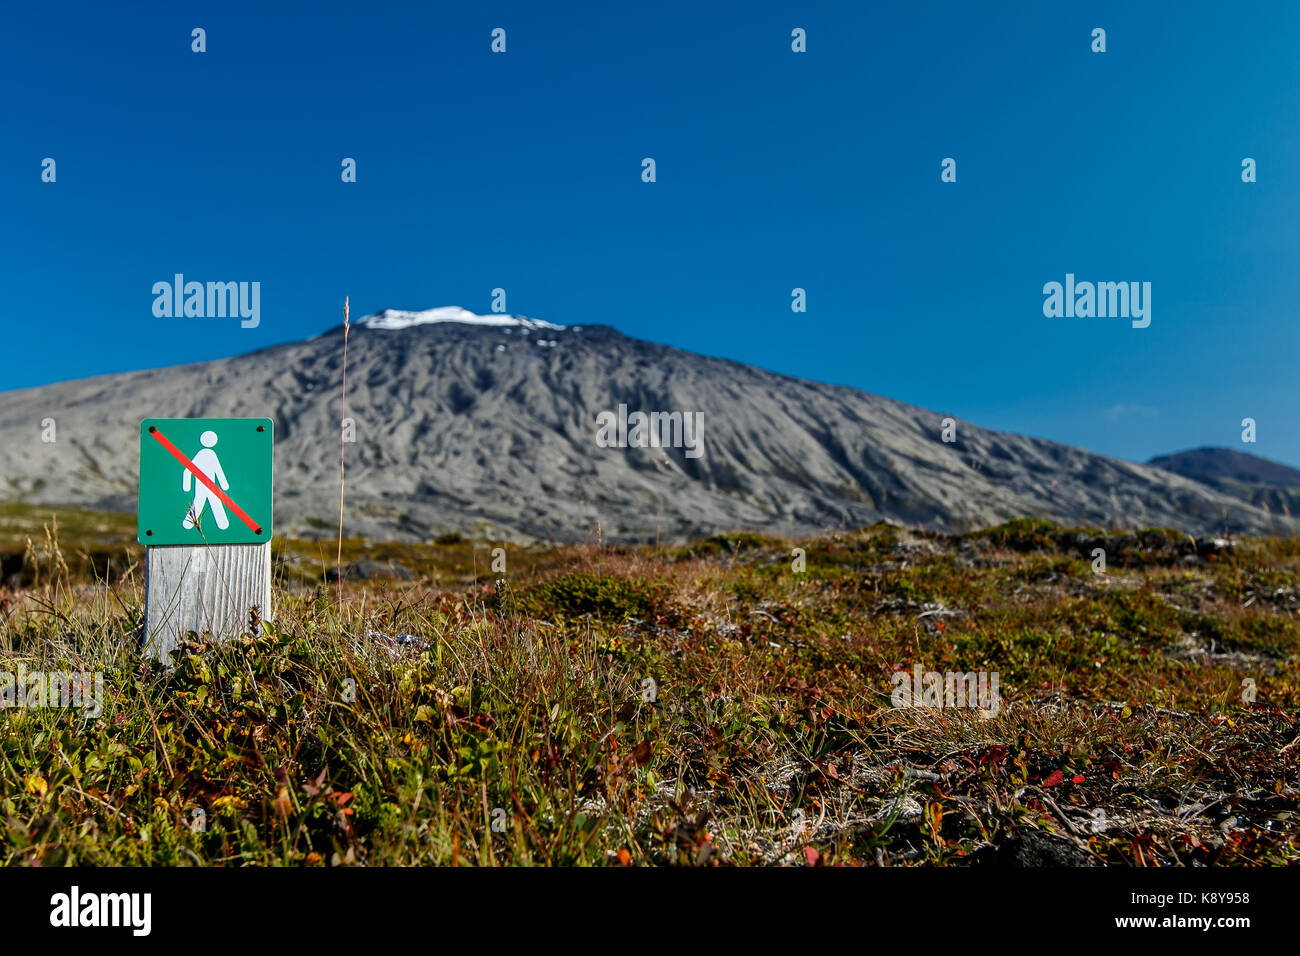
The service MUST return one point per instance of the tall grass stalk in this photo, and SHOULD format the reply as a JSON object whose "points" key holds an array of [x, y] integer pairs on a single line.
{"points": [[343, 424]]}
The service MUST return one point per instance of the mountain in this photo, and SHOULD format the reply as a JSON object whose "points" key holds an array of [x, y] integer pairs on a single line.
{"points": [[1266, 484], [489, 426], [1218, 464]]}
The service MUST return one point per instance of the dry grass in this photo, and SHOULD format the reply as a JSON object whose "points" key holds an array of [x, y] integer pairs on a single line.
{"points": [[767, 736]]}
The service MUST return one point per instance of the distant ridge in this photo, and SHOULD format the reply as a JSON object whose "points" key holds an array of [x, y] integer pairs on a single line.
{"points": [[1211, 464], [1266, 484]]}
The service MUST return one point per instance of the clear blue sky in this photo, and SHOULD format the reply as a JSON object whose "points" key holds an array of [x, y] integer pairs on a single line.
{"points": [[775, 170]]}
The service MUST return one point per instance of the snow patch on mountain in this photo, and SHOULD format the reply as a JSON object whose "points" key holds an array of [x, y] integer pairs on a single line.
{"points": [[393, 319]]}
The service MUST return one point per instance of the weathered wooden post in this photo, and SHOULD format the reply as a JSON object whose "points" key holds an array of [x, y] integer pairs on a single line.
{"points": [[205, 518]]}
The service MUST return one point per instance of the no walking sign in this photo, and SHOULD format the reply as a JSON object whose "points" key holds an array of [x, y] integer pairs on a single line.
{"points": [[205, 481]]}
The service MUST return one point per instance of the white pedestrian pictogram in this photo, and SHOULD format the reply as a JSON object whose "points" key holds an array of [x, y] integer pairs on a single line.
{"points": [[207, 462]]}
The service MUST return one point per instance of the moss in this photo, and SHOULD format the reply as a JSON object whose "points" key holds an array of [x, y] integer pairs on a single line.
{"points": [[1021, 534], [603, 596]]}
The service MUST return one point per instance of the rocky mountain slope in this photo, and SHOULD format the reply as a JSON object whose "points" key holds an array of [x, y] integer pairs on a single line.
{"points": [[488, 426]]}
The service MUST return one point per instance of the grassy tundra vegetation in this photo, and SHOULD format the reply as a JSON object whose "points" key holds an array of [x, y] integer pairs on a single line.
{"points": [[398, 727]]}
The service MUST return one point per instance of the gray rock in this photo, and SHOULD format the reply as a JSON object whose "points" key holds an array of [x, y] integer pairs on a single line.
{"points": [[366, 569], [1034, 848]]}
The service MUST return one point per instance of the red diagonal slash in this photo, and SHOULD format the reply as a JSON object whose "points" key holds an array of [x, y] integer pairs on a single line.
{"points": [[212, 485]]}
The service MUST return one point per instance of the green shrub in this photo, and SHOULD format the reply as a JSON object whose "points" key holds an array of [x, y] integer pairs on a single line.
{"points": [[603, 596]]}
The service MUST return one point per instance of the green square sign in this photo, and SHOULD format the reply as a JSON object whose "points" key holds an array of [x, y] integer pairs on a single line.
{"points": [[205, 481]]}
